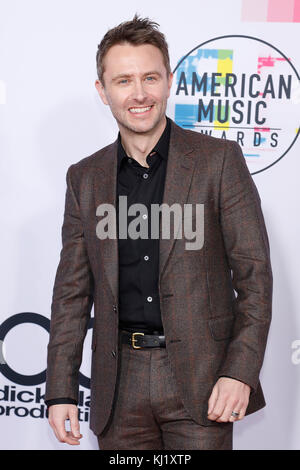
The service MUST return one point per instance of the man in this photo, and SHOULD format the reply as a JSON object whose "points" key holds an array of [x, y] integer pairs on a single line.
{"points": [[179, 334]]}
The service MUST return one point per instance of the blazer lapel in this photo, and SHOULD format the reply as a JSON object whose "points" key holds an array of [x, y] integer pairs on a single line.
{"points": [[180, 167]]}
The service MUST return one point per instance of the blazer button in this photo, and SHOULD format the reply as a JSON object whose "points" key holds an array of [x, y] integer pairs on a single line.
{"points": [[113, 353], [115, 308]]}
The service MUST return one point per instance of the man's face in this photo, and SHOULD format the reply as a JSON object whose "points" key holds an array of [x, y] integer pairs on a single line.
{"points": [[135, 86]]}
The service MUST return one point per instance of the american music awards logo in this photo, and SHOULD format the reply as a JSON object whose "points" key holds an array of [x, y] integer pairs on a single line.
{"points": [[240, 88]]}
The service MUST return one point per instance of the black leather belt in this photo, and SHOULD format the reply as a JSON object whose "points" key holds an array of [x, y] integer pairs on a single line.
{"points": [[140, 340]]}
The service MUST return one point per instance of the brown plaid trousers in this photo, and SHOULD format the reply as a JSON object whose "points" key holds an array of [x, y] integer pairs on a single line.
{"points": [[148, 413]]}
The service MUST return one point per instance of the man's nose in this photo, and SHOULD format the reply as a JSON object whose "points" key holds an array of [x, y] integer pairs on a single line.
{"points": [[139, 92]]}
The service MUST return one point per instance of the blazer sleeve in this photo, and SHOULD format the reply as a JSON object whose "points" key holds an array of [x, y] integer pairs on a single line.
{"points": [[248, 252], [72, 302]]}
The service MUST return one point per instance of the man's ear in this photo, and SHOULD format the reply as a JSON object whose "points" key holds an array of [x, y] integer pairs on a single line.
{"points": [[101, 91], [170, 80]]}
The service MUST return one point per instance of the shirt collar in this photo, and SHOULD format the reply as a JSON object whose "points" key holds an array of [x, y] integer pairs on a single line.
{"points": [[161, 147]]}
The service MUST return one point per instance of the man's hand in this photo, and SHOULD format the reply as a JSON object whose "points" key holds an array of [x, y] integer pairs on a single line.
{"points": [[57, 417], [228, 395]]}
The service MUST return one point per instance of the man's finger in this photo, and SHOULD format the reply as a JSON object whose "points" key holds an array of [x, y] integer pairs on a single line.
{"points": [[212, 400], [55, 427], [66, 436], [218, 408], [61, 431], [74, 424], [70, 439], [242, 413], [226, 415], [217, 411], [55, 431]]}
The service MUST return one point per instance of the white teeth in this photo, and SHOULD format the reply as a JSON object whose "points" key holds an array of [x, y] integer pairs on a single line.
{"points": [[139, 110]]}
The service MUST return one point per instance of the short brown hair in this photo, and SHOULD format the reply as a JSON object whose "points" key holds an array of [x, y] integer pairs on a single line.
{"points": [[137, 31]]}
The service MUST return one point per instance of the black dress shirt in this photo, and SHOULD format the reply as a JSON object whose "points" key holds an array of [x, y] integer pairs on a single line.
{"points": [[139, 306]]}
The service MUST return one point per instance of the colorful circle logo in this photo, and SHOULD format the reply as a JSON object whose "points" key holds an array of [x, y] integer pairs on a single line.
{"points": [[239, 88]]}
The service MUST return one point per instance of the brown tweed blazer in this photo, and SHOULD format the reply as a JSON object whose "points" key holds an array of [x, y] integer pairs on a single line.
{"points": [[215, 302]]}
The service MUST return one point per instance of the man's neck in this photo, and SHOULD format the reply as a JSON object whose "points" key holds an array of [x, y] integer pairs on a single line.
{"points": [[138, 145]]}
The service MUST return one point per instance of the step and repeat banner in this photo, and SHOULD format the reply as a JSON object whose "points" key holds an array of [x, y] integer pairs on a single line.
{"points": [[236, 76]]}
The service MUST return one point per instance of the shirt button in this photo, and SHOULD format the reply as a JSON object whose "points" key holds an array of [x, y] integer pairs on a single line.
{"points": [[149, 299], [113, 353], [145, 176], [129, 160], [146, 258], [145, 216]]}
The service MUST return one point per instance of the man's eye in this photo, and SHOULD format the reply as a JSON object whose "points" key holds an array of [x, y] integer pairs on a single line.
{"points": [[123, 81], [150, 79]]}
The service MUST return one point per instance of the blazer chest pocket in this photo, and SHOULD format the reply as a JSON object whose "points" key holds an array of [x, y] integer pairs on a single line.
{"points": [[221, 328]]}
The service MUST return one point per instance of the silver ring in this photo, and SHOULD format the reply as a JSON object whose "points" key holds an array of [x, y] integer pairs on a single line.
{"points": [[235, 414]]}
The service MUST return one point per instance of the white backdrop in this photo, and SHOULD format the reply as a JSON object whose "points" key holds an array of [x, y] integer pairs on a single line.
{"points": [[51, 117]]}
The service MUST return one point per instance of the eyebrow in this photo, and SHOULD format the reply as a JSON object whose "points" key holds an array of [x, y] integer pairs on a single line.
{"points": [[127, 75]]}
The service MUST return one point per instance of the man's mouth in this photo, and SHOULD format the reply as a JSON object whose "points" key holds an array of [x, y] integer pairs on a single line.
{"points": [[136, 110]]}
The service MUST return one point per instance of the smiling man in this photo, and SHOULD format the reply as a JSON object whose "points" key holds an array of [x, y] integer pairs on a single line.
{"points": [[135, 83], [179, 335]]}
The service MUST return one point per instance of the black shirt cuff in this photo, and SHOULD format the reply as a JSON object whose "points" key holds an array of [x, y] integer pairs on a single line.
{"points": [[61, 401]]}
